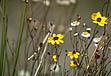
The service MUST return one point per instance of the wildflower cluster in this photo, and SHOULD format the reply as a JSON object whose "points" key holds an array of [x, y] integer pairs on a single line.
{"points": [[76, 22], [73, 55], [55, 40]]}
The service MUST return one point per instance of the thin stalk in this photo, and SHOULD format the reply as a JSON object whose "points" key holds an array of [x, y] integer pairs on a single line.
{"points": [[3, 39], [19, 39]]}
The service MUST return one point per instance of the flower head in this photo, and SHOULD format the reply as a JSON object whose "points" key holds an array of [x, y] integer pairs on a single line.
{"points": [[56, 39], [96, 40], [54, 58], [74, 64], [73, 55], [75, 23], [85, 34], [100, 20]]}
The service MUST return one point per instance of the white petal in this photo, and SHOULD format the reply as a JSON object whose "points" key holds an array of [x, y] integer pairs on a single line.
{"points": [[47, 2], [73, 24], [23, 72], [64, 2], [54, 67], [78, 23], [70, 28], [76, 34], [73, 1], [96, 45], [88, 29], [97, 39]]}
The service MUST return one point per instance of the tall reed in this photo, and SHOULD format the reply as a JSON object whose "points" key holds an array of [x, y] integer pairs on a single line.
{"points": [[19, 39]]}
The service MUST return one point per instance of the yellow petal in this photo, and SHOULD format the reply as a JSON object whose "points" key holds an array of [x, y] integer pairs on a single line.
{"points": [[71, 57], [50, 38], [54, 35], [77, 53], [69, 53], [104, 18], [61, 41], [52, 42], [60, 36], [95, 22], [98, 14], [55, 60], [93, 16], [76, 56], [100, 24], [57, 42], [54, 56]]}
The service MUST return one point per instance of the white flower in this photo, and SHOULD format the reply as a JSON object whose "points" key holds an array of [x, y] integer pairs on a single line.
{"points": [[96, 40], [73, 1], [85, 34], [96, 44], [54, 68], [88, 29], [70, 28], [75, 23], [23, 73], [46, 2], [76, 34], [63, 2], [36, 0]]}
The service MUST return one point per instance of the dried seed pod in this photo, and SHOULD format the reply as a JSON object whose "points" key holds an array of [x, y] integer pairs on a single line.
{"points": [[48, 53], [85, 25], [35, 28], [29, 19], [97, 56], [79, 17], [26, 1], [41, 44]]}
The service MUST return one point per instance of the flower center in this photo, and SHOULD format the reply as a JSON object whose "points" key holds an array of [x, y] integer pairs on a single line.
{"points": [[55, 38], [75, 22], [73, 52], [98, 19], [85, 33]]}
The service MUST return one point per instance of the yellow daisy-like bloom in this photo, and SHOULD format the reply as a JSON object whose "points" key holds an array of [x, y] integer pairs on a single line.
{"points": [[73, 55], [100, 20], [54, 58], [56, 39], [74, 64]]}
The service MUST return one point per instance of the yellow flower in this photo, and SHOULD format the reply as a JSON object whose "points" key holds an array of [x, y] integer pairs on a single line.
{"points": [[73, 55], [56, 39], [100, 20], [54, 58], [74, 64], [79, 17]]}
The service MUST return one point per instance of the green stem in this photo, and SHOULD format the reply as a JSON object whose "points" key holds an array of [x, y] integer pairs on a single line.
{"points": [[3, 38], [19, 40]]}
